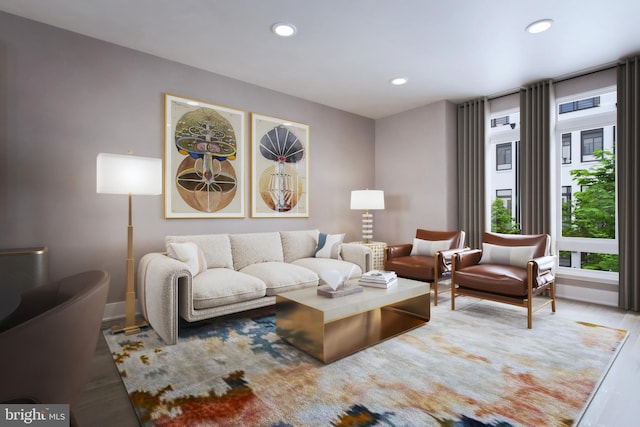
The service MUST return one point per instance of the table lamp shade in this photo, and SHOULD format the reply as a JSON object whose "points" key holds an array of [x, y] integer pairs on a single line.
{"points": [[367, 199], [126, 174]]}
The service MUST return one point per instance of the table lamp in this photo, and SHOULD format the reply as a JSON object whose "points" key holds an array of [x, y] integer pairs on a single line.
{"points": [[126, 174], [367, 200]]}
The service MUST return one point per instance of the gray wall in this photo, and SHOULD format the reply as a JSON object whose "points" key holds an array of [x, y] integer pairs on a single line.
{"points": [[64, 98], [416, 167]]}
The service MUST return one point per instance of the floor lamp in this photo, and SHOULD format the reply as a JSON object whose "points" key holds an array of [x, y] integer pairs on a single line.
{"points": [[367, 200], [126, 174]]}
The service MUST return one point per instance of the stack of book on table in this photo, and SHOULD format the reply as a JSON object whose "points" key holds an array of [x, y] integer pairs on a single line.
{"points": [[379, 279]]}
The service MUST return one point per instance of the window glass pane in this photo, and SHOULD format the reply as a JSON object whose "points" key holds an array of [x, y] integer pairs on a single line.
{"points": [[566, 148], [589, 261], [591, 141], [502, 164], [586, 193], [503, 156]]}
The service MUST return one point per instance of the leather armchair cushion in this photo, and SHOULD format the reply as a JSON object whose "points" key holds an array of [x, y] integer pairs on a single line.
{"points": [[416, 267], [493, 278]]}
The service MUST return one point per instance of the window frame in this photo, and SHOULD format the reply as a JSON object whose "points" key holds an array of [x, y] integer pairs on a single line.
{"points": [[581, 244]]}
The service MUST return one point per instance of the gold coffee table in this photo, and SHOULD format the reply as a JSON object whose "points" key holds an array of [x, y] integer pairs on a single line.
{"points": [[331, 328]]}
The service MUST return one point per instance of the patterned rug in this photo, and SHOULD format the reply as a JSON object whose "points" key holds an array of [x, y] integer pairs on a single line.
{"points": [[476, 366]]}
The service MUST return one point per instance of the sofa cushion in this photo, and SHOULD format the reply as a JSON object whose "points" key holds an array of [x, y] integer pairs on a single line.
{"points": [[318, 265], [216, 248], [518, 256], [254, 248], [329, 245], [190, 254], [415, 267], [281, 277], [429, 247], [222, 286], [503, 279], [298, 244]]}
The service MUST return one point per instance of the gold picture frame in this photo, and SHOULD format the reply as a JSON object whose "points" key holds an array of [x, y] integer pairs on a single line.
{"points": [[204, 162], [279, 168]]}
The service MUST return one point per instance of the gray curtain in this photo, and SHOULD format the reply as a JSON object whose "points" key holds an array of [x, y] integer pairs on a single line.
{"points": [[471, 191], [628, 148], [534, 169]]}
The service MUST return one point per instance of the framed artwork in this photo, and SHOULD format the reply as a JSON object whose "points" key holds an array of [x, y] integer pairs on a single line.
{"points": [[204, 160], [279, 168]]}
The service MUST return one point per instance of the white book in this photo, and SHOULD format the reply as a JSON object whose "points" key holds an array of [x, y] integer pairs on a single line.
{"points": [[383, 285]]}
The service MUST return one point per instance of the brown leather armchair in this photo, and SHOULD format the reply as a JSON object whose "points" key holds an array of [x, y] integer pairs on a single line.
{"points": [[427, 262], [48, 343], [510, 268]]}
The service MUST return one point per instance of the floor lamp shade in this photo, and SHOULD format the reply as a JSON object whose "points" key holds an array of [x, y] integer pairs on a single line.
{"points": [[125, 174], [367, 200]]}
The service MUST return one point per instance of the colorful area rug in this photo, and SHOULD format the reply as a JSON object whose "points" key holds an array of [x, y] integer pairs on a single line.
{"points": [[476, 366]]}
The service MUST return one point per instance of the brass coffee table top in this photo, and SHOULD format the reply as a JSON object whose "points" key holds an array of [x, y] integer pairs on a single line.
{"points": [[331, 328]]}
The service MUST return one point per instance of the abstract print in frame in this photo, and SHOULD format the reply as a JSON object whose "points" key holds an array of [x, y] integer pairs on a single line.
{"points": [[279, 168], [204, 160]]}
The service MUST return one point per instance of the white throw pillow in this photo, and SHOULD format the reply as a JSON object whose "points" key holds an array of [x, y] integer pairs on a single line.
{"points": [[429, 247], [518, 256], [329, 245], [190, 254]]}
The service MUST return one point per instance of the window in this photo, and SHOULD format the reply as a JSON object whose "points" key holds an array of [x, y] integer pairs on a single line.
{"points": [[499, 121], [501, 172], [503, 156], [591, 141], [505, 196], [586, 229], [581, 104], [566, 148]]}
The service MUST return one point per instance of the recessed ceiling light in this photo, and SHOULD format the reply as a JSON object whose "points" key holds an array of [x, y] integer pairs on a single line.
{"points": [[539, 26], [283, 30], [399, 81]]}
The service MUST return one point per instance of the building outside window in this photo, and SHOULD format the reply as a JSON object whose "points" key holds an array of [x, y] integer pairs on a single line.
{"points": [[503, 156], [566, 148], [591, 141]]}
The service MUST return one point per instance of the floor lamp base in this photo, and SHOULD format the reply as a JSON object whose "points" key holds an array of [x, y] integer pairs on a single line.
{"points": [[129, 329]]}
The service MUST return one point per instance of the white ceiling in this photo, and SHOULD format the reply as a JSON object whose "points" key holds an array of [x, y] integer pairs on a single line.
{"points": [[346, 51]]}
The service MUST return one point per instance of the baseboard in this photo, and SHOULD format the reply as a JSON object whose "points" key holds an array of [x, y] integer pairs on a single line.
{"points": [[116, 310]]}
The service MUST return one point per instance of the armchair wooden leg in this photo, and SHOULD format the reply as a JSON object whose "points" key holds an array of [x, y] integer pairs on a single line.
{"points": [[552, 289], [435, 290], [453, 294]]}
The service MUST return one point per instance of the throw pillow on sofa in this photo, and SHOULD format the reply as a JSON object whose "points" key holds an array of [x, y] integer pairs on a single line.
{"points": [[329, 245], [190, 254]]}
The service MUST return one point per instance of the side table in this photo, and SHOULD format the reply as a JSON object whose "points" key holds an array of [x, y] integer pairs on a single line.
{"points": [[379, 251]]}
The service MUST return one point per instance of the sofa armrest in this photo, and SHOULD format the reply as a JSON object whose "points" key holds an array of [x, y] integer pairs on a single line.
{"points": [[157, 284], [466, 258], [357, 254], [444, 258], [396, 251]]}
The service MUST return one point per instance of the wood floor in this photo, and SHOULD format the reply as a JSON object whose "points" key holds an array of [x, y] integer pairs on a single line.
{"points": [[615, 404]]}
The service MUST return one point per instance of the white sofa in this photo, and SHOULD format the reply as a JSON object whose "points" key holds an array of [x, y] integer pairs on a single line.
{"points": [[234, 272]]}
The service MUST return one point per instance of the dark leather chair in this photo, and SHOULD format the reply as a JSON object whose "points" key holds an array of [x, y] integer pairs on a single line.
{"points": [[429, 265], [48, 343], [510, 268]]}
